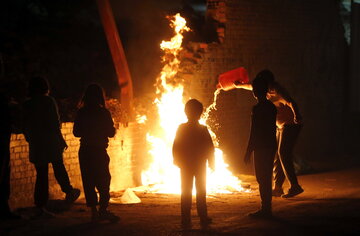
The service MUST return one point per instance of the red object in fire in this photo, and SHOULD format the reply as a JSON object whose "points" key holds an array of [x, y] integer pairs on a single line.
{"points": [[227, 79]]}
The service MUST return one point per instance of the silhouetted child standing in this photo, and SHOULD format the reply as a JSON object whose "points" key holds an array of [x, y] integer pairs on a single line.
{"points": [[94, 125], [262, 142], [192, 147]]}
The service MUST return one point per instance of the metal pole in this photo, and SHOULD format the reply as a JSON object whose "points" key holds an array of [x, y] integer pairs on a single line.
{"points": [[118, 56]]}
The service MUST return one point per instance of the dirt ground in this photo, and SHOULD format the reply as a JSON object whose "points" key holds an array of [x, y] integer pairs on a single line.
{"points": [[330, 205]]}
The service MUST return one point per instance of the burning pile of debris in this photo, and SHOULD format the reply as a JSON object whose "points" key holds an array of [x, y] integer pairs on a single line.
{"points": [[163, 176]]}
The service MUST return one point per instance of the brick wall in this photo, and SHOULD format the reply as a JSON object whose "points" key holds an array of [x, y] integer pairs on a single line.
{"points": [[123, 157], [302, 42]]}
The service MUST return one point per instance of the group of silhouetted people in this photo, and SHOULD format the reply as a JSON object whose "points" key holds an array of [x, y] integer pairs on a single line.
{"points": [[275, 125], [273, 142], [42, 130]]}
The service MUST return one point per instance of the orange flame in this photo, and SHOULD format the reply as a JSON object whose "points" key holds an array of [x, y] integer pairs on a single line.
{"points": [[162, 175]]}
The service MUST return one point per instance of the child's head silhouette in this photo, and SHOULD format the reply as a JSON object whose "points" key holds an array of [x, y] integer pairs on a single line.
{"points": [[266, 75], [260, 87], [38, 86], [193, 109], [93, 96]]}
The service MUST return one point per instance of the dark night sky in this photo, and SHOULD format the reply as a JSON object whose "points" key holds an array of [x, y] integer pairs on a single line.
{"points": [[64, 41]]}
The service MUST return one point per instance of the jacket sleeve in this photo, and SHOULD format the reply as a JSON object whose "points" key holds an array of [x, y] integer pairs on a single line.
{"points": [[176, 148], [54, 119], [251, 142], [54, 115]]}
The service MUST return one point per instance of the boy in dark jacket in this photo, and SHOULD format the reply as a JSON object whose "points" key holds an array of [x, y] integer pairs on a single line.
{"points": [[94, 125], [192, 147], [41, 127], [262, 142]]}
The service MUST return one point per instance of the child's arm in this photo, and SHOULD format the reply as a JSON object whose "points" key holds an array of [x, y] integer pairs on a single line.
{"points": [[77, 128], [243, 86], [176, 149], [247, 156], [54, 118], [289, 102], [211, 149], [250, 146]]}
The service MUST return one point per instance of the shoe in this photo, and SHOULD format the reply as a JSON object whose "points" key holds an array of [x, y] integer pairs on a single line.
{"points": [[107, 215], [72, 195], [205, 222], [293, 192], [261, 214], [277, 192]]}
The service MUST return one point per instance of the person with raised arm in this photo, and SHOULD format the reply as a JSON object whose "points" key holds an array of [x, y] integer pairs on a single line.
{"points": [[289, 124]]}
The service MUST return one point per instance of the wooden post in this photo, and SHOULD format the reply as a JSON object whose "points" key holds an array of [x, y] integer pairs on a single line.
{"points": [[118, 56]]}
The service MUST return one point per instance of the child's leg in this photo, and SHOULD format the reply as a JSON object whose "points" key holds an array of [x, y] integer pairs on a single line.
{"points": [[103, 179], [263, 160], [279, 176], [289, 137], [61, 176], [88, 176], [186, 195], [200, 183], [41, 192]]}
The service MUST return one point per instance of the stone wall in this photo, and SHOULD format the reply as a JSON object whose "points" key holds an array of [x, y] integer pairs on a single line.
{"points": [[123, 151]]}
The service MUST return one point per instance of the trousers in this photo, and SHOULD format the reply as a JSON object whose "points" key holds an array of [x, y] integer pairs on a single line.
{"points": [[41, 193], [283, 164], [187, 177], [263, 162], [94, 166]]}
